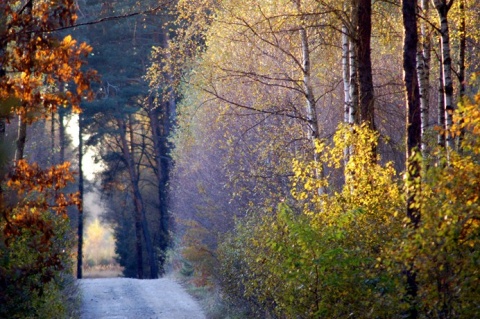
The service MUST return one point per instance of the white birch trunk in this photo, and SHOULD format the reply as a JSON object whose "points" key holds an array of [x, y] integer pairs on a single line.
{"points": [[310, 99], [443, 7], [441, 108], [307, 84], [346, 74], [423, 69], [354, 98], [346, 85], [311, 109]]}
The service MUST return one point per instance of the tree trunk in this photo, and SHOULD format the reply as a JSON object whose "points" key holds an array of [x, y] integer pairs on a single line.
{"points": [[461, 63], [138, 206], [443, 7], [52, 138], [441, 108], [22, 124], [162, 115], [354, 98], [161, 171], [80, 208], [152, 261], [363, 10], [21, 139], [307, 84], [413, 142], [61, 134], [463, 43], [3, 126], [312, 116], [3, 122], [423, 70], [346, 75], [413, 122], [141, 224], [347, 106]]}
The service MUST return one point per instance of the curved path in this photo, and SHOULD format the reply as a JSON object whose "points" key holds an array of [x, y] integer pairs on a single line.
{"points": [[126, 298]]}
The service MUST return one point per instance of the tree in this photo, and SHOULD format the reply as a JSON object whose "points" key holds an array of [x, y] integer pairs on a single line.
{"points": [[34, 239], [119, 108], [34, 61], [265, 106], [443, 7], [80, 193], [362, 22], [324, 252], [423, 71], [413, 136]]}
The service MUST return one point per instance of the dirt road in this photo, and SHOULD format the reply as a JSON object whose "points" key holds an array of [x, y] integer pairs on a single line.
{"points": [[125, 298]]}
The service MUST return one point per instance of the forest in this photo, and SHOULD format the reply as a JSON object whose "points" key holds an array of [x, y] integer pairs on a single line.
{"points": [[288, 158]]}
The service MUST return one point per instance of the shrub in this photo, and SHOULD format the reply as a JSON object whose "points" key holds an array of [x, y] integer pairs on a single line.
{"points": [[35, 241], [321, 261]]}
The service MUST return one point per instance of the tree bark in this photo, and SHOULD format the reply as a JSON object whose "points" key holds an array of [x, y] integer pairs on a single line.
{"points": [[461, 63], [307, 84], [443, 6], [463, 44], [354, 98], [52, 138], [346, 74], [413, 123], [312, 116], [21, 139], [423, 70], [3, 122], [22, 124], [80, 208], [441, 109], [363, 10], [61, 134]]}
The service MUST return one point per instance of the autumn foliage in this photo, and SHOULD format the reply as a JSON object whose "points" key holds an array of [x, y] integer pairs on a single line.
{"points": [[41, 70], [345, 253], [34, 232], [35, 61]]}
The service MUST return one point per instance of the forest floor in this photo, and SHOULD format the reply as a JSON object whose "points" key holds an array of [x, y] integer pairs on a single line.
{"points": [[126, 298]]}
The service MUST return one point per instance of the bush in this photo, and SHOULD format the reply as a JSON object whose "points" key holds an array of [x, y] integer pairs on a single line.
{"points": [[321, 261], [445, 248], [35, 242], [345, 253]]}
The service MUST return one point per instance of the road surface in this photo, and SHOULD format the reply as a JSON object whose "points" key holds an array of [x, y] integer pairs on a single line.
{"points": [[126, 298]]}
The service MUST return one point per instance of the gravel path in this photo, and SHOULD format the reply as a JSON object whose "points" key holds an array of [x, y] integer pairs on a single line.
{"points": [[125, 298]]}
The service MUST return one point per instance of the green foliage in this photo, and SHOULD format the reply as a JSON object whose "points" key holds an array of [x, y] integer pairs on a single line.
{"points": [[125, 245], [322, 261], [444, 249], [340, 247], [35, 242], [345, 253]]}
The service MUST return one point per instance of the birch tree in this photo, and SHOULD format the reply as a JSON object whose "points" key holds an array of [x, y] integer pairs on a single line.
{"points": [[423, 69], [443, 7]]}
